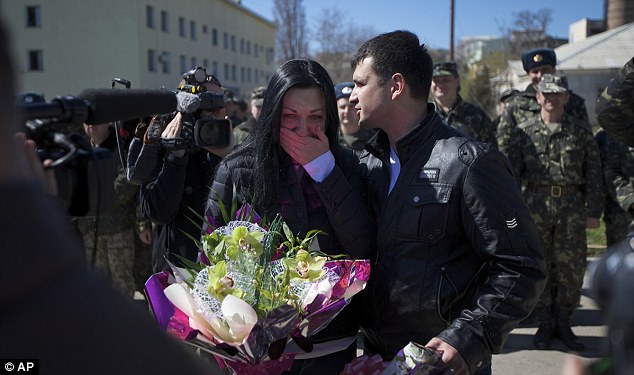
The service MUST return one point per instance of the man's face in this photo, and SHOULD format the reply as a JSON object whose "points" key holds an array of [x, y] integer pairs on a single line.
{"points": [[445, 86], [347, 113], [537, 73], [256, 108], [97, 133], [219, 113], [552, 101], [369, 98]]}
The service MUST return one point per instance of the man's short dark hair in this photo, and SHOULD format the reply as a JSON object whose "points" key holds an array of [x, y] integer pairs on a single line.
{"points": [[398, 52]]}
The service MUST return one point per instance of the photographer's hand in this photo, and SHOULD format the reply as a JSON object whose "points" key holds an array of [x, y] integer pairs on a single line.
{"points": [[36, 168], [173, 130]]}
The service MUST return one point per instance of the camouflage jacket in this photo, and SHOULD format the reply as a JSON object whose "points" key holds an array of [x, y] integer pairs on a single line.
{"points": [[618, 169], [357, 140], [615, 106], [470, 120], [524, 106], [566, 156], [242, 131]]}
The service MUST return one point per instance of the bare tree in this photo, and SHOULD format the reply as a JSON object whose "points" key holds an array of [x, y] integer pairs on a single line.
{"points": [[290, 16], [337, 38]]}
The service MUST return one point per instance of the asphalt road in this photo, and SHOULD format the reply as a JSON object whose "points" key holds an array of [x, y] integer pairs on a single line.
{"points": [[520, 357]]}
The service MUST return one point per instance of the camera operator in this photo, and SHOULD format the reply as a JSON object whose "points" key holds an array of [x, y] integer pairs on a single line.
{"points": [[109, 239], [179, 188]]}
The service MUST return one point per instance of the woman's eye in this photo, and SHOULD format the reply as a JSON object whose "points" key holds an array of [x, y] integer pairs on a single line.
{"points": [[288, 115]]}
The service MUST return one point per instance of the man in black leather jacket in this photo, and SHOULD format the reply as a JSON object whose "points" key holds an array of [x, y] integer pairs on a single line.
{"points": [[459, 263]]}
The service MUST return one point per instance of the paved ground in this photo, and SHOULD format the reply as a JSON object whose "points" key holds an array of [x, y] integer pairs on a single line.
{"points": [[520, 357]]}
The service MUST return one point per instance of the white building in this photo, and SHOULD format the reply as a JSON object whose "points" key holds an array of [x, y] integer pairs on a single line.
{"points": [[64, 46]]}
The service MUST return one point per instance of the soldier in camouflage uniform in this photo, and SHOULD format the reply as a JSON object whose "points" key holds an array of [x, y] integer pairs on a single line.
{"points": [[466, 117], [556, 162], [241, 131], [524, 105], [351, 135], [617, 160], [115, 238], [615, 106]]}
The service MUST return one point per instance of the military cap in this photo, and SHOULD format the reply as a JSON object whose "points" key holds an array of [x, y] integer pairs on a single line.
{"points": [[343, 90], [551, 83], [257, 95], [508, 94], [445, 68], [538, 57]]}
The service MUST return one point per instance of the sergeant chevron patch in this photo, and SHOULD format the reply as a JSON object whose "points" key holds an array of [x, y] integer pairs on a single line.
{"points": [[511, 223]]}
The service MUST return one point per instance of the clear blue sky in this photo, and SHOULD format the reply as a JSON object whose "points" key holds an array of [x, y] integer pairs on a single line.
{"points": [[429, 19]]}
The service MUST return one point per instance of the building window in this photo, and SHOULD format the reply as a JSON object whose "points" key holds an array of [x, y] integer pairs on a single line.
{"points": [[233, 43], [248, 74], [214, 68], [255, 74], [166, 62], [214, 37], [183, 63], [151, 60], [241, 45], [255, 50], [194, 62], [206, 63], [33, 16], [181, 27], [36, 63], [233, 73], [242, 75], [165, 22], [248, 47], [192, 30], [225, 40], [149, 16], [227, 72], [205, 28]]}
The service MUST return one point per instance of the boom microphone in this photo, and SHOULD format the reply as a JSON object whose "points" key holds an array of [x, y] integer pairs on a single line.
{"points": [[187, 102], [114, 105], [99, 106]]}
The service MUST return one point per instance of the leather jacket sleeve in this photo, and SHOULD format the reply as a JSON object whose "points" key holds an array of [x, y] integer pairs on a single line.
{"points": [[161, 197], [503, 234], [341, 194]]}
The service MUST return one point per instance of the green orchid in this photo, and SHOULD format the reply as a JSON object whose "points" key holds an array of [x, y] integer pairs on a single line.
{"points": [[220, 284], [242, 240], [304, 266]]}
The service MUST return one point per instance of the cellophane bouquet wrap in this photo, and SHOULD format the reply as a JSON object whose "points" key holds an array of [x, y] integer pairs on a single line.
{"points": [[255, 288]]}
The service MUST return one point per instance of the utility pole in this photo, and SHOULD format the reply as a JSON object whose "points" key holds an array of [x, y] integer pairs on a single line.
{"points": [[451, 17]]}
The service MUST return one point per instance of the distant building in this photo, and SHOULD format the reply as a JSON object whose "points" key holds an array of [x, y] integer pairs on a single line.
{"points": [[64, 46], [474, 48]]}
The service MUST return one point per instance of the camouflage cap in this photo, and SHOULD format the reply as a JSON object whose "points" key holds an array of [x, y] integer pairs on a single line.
{"points": [[553, 84], [538, 57], [257, 95], [343, 90], [445, 68]]}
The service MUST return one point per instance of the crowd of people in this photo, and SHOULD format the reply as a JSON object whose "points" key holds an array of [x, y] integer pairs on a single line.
{"points": [[472, 225]]}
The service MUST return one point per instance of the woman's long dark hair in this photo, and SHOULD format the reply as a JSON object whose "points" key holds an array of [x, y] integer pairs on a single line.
{"points": [[264, 141]]}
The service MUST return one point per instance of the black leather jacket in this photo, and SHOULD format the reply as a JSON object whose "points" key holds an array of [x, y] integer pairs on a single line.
{"points": [[458, 254]]}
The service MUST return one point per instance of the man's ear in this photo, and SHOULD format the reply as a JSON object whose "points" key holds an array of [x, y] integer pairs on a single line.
{"points": [[398, 85]]}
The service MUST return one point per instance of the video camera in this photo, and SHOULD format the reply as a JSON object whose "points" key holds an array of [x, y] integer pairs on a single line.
{"points": [[85, 175], [198, 131]]}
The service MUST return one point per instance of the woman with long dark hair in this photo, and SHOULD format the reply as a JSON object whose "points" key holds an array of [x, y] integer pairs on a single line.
{"points": [[292, 164]]}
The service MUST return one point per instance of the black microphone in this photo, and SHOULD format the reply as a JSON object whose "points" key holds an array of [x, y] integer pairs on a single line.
{"points": [[99, 106], [108, 105]]}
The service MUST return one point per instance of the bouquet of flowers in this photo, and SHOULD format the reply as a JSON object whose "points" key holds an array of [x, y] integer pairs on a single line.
{"points": [[255, 288]]}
